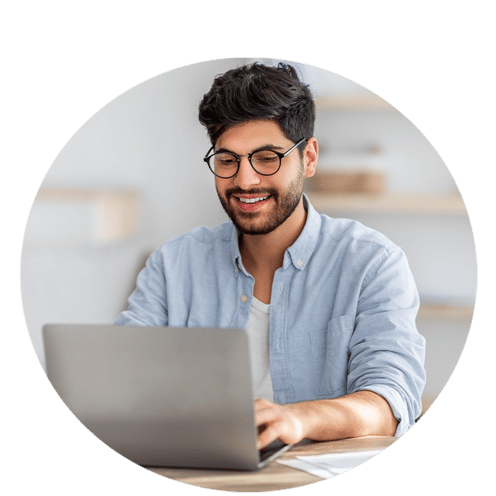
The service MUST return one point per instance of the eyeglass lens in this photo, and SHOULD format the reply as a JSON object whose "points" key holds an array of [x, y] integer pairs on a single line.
{"points": [[264, 162]]}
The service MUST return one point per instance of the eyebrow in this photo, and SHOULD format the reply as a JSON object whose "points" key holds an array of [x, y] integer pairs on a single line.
{"points": [[259, 149]]}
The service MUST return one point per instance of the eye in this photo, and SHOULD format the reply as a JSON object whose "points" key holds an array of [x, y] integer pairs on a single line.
{"points": [[224, 160], [266, 157]]}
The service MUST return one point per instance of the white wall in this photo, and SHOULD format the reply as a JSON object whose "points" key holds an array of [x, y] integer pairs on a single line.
{"points": [[149, 139]]}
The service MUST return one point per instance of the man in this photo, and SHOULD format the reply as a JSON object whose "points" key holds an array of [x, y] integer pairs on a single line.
{"points": [[329, 305]]}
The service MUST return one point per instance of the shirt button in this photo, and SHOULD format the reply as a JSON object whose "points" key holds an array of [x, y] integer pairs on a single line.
{"points": [[244, 298], [300, 263]]}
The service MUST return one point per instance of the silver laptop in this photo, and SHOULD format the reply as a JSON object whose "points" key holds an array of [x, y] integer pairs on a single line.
{"points": [[160, 396]]}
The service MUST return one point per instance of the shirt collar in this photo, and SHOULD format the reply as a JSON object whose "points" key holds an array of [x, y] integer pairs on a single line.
{"points": [[299, 252], [235, 254]]}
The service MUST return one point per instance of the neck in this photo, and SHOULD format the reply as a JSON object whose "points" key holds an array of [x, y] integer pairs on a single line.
{"points": [[267, 250]]}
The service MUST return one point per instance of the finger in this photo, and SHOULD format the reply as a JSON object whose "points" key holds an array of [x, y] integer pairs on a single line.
{"points": [[267, 436], [288, 430], [266, 415], [262, 403]]}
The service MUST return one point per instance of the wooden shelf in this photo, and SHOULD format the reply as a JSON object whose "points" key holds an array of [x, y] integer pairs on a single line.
{"points": [[354, 103], [116, 213], [444, 204], [445, 311]]}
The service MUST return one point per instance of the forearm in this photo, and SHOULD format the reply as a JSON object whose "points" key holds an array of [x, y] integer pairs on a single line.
{"points": [[363, 413]]}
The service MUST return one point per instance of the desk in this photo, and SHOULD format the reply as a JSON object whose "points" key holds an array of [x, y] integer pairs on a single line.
{"points": [[274, 476]]}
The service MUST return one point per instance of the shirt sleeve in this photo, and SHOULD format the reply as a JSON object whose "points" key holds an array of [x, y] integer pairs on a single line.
{"points": [[147, 305], [387, 352]]}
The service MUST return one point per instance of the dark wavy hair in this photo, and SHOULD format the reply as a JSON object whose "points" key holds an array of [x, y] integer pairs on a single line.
{"points": [[257, 91]]}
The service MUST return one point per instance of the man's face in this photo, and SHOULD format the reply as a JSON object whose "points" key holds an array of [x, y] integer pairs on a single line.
{"points": [[260, 204]]}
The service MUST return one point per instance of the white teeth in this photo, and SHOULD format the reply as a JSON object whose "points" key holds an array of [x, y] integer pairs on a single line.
{"points": [[252, 200]]}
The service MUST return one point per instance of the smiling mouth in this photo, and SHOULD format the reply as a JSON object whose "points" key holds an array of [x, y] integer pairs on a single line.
{"points": [[252, 200]]}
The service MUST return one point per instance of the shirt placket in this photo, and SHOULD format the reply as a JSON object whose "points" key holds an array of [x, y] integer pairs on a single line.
{"points": [[278, 352], [243, 296]]}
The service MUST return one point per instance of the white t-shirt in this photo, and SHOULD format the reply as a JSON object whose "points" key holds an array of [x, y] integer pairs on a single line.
{"points": [[257, 329]]}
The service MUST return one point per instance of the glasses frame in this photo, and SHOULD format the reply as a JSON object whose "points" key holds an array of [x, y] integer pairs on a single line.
{"points": [[207, 158]]}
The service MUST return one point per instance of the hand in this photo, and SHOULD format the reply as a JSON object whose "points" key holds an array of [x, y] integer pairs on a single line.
{"points": [[281, 422]]}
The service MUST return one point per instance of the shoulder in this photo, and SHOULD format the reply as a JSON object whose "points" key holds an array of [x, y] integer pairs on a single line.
{"points": [[204, 235], [198, 240], [362, 252], [330, 231], [352, 231], [354, 243]]}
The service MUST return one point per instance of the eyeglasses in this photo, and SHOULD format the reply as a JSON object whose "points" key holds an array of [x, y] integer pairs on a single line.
{"points": [[264, 162]]}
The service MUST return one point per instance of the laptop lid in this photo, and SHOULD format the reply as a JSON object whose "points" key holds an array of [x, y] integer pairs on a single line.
{"points": [[160, 396]]}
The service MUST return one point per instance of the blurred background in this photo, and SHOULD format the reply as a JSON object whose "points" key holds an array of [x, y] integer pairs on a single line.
{"points": [[132, 177]]}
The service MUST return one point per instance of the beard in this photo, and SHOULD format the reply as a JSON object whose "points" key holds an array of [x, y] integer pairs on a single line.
{"points": [[258, 223]]}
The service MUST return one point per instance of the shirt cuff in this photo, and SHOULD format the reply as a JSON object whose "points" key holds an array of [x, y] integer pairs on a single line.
{"points": [[398, 405]]}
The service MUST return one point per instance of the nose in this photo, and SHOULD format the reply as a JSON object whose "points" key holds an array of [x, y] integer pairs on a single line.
{"points": [[246, 177]]}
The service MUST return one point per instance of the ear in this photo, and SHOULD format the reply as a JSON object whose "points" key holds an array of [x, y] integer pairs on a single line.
{"points": [[310, 157]]}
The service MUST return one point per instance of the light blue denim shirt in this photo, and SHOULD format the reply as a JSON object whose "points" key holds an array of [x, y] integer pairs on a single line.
{"points": [[342, 308]]}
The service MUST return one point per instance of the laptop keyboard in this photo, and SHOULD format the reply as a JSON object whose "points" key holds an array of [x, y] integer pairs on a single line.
{"points": [[269, 450]]}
